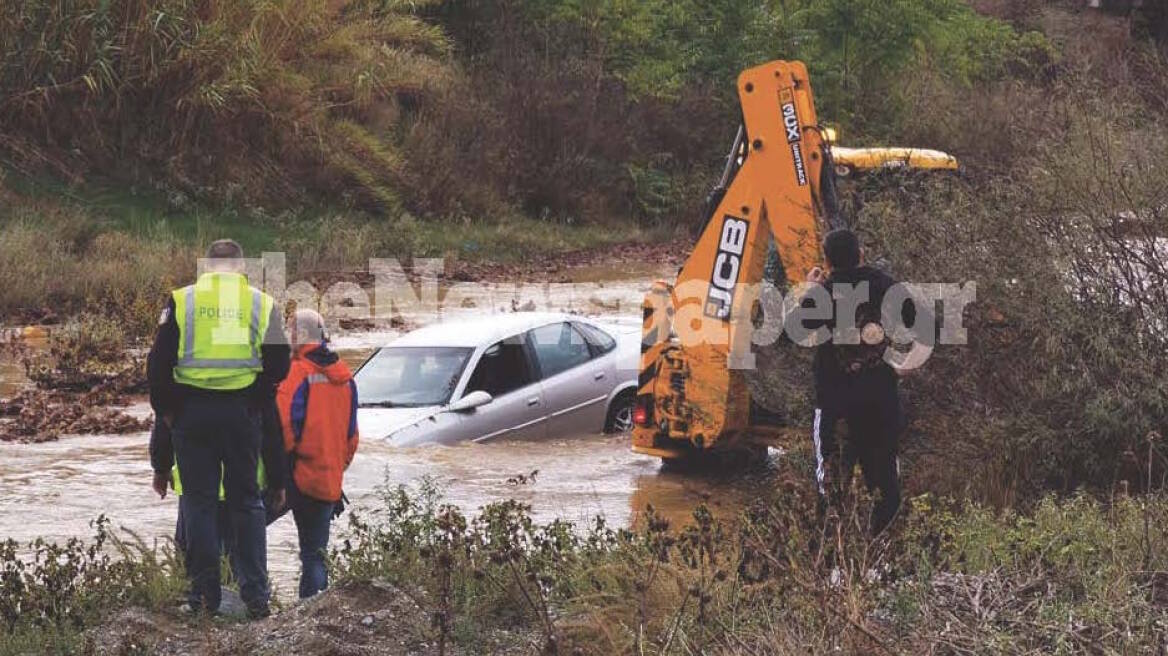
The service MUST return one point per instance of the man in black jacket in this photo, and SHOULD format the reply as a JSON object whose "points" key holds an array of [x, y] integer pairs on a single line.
{"points": [[853, 380], [217, 358]]}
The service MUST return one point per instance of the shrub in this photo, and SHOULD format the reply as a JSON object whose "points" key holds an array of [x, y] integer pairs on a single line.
{"points": [[48, 598], [626, 109], [782, 577], [277, 99], [1058, 386], [1068, 575]]}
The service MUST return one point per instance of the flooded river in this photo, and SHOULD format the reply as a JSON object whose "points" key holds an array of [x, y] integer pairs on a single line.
{"points": [[55, 489]]}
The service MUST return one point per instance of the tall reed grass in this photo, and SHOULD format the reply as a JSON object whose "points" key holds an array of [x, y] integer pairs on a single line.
{"points": [[268, 101]]}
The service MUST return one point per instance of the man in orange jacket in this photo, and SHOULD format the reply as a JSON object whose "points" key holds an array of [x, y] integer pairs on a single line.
{"points": [[318, 409]]}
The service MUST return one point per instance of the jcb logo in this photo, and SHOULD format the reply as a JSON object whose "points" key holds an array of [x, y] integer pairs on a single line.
{"points": [[791, 121], [727, 266]]}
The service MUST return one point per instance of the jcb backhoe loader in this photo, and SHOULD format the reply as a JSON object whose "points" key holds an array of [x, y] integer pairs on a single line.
{"points": [[778, 182]]}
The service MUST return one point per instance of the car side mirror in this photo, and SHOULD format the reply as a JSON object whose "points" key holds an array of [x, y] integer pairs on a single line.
{"points": [[475, 399]]}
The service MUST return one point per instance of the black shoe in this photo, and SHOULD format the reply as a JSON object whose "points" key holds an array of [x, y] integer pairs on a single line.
{"points": [[258, 612]]}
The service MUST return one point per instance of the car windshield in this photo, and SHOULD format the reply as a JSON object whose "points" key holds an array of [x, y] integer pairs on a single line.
{"points": [[409, 376]]}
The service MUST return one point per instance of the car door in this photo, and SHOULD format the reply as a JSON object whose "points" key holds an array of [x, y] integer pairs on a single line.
{"points": [[517, 411], [575, 384]]}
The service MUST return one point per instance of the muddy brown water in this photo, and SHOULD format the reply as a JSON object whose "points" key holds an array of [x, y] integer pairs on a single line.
{"points": [[54, 490]]}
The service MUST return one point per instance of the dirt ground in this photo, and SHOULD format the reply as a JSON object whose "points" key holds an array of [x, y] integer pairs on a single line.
{"points": [[618, 261], [353, 620], [578, 266], [37, 415]]}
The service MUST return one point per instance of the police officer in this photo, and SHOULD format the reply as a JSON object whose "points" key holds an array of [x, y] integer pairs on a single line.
{"points": [[217, 358], [270, 474], [853, 380]]}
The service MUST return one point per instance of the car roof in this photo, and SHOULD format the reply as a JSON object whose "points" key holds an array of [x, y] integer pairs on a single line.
{"points": [[479, 330]]}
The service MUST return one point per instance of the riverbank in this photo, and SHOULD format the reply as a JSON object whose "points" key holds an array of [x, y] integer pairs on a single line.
{"points": [[116, 252], [79, 375], [417, 576], [94, 265]]}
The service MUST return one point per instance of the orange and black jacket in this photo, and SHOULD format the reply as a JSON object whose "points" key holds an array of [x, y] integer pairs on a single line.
{"points": [[318, 409]]}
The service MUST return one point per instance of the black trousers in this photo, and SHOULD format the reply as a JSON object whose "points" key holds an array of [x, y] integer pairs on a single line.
{"points": [[226, 543], [874, 420], [219, 435]]}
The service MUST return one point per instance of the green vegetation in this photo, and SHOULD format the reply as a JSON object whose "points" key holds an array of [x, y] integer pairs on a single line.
{"points": [[610, 110], [48, 599], [626, 109], [1069, 576], [1065, 576], [114, 254], [131, 133], [252, 100]]}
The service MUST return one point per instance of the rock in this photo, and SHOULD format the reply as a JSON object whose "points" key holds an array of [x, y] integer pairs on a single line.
{"points": [[231, 606], [384, 585], [367, 621]]}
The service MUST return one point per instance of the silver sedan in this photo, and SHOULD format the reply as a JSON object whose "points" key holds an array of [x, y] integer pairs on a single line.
{"points": [[501, 376]]}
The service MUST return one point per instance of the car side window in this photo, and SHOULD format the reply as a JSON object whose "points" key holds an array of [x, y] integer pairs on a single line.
{"points": [[559, 347], [600, 341], [503, 368]]}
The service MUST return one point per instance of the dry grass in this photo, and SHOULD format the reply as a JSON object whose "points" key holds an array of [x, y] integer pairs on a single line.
{"points": [[61, 260], [91, 250], [783, 578], [266, 101]]}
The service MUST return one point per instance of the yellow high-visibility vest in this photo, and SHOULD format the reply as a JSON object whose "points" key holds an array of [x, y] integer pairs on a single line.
{"points": [[221, 326], [261, 478]]}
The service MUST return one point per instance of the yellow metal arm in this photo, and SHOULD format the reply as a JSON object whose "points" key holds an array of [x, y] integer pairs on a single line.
{"points": [[690, 398]]}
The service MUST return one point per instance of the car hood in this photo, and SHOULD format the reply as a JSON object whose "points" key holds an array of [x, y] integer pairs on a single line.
{"points": [[382, 423]]}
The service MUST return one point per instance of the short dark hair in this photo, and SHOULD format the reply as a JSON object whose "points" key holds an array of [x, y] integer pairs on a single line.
{"points": [[841, 247], [225, 249]]}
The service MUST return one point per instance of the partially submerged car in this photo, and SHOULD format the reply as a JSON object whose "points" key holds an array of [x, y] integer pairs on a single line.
{"points": [[501, 376]]}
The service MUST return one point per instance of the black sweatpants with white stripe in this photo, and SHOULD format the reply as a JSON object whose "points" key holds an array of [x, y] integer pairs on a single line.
{"points": [[874, 421]]}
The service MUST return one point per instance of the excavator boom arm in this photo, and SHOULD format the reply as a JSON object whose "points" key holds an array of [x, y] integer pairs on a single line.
{"points": [[777, 184]]}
